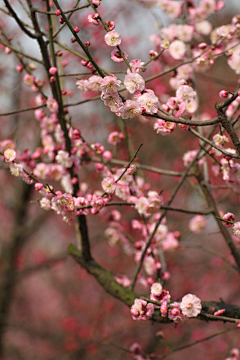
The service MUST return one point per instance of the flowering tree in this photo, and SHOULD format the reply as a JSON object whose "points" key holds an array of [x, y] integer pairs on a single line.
{"points": [[99, 168]]}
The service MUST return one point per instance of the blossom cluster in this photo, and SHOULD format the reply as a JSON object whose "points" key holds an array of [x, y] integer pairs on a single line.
{"points": [[190, 306]]}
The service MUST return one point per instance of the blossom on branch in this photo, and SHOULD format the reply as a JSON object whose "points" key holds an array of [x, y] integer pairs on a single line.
{"points": [[191, 305]]}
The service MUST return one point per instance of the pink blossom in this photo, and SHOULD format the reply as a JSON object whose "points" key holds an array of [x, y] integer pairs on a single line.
{"points": [[116, 56], [41, 171], [124, 280], [203, 27], [136, 66], [208, 6], [110, 84], [191, 305], [28, 80], [185, 94], [177, 49], [45, 204], [236, 229], [97, 202], [189, 156], [228, 216], [130, 109], [82, 85], [142, 206], [52, 105], [173, 8], [219, 312], [113, 138], [197, 224], [164, 309], [156, 289], [163, 127], [113, 101], [134, 82], [56, 171], [16, 169], [64, 159], [10, 155], [185, 32], [112, 38], [92, 19], [141, 310], [149, 265], [175, 314], [109, 185], [39, 114], [122, 191], [94, 83], [149, 102]]}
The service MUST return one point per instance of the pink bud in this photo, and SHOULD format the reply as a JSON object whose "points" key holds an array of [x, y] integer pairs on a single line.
{"points": [[76, 29], [219, 5], [7, 50], [19, 67], [52, 70], [230, 217], [223, 94], [202, 46], [58, 12], [107, 155], [38, 186], [99, 167], [74, 180], [64, 92], [96, 3]]}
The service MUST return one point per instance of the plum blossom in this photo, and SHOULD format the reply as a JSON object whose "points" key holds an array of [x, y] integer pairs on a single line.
{"points": [[10, 155], [130, 109], [136, 66], [110, 84], [28, 80], [41, 171], [109, 185], [82, 85], [175, 313], [52, 105], [134, 82], [156, 289], [177, 49], [230, 217], [189, 156], [173, 8], [115, 137], [112, 38], [45, 204], [197, 224], [149, 102], [116, 56], [94, 83], [16, 169], [236, 229], [185, 94], [164, 127], [141, 310], [64, 159], [113, 101], [137, 352], [191, 305]]}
